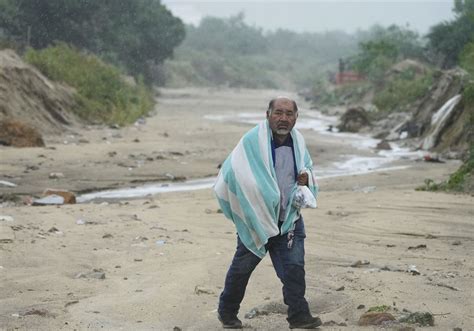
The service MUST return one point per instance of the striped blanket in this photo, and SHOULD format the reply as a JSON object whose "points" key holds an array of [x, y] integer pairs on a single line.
{"points": [[247, 189]]}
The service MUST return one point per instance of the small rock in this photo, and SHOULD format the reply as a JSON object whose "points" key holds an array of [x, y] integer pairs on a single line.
{"points": [[177, 328], [340, 288], [417, 247], [375, 318], [69, 197], [107, 235], [413, 270], [383, 145], [56, 175], [136, 140], [360, 263], [360, 306], [457, 243], [94, 274], [457, 329], [202, 290]]}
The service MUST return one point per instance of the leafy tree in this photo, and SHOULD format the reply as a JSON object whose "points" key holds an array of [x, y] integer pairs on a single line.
{"points": [[385, 46], [448, 39], [137, 34]]}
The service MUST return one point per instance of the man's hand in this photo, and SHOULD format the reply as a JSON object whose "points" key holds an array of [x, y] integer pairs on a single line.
{"points": [[302, 179]]}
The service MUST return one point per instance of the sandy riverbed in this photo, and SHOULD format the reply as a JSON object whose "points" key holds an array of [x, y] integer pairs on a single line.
{"points": [[164, 257]]}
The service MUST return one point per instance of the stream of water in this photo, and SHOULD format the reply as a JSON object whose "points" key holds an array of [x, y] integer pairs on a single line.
{"points": [[348, 165]]}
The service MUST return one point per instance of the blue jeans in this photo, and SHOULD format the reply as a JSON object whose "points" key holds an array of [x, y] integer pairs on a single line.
{"points": [[288, 263]]}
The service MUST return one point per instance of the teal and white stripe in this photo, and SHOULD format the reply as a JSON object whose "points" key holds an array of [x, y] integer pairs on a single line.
{"points": [[247, 190]]}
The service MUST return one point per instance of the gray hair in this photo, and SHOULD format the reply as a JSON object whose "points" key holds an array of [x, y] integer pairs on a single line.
{"points": [[272, 102]]}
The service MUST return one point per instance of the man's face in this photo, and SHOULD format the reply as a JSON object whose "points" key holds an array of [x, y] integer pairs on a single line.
{"points": [[283, 117]]}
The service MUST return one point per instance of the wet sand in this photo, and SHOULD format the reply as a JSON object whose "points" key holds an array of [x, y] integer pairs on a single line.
{"points": [[164, 257]]}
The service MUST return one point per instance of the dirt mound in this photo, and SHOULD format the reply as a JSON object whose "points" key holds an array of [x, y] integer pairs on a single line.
{"points": [[29, 97], [353, 120], [440, 119], [17, 134]]}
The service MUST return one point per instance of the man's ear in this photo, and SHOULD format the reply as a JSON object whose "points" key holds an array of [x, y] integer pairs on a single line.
{"points": [[268, 114]]}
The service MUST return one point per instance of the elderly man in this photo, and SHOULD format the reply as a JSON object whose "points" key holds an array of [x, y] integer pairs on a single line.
{"points": [[255, 188]]}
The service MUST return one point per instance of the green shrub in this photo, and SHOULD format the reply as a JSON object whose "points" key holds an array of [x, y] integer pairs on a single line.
{"points": [[102, 94], [401, 91]]}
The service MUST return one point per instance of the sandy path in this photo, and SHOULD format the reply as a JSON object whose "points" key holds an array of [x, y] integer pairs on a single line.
{"points": [[155, 251]]}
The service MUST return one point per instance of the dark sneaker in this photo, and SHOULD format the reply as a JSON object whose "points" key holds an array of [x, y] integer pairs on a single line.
{"points": [[308, 322], [230, 322]]}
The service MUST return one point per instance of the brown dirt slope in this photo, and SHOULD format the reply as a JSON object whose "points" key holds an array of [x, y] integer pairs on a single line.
{"points": [[29, 97]]}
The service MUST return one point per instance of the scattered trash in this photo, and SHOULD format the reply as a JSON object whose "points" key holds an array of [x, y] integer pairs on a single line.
{"points": [[5, 183], [56, 175], [94, 274], [71, 303], [202, 290], [417, 247], [54, 230], [6, 218], [413, 270], [334, 323], [360, 263], [446, 286], [69, 197], [49, 200], [423, 319], [254, 312], [430, 158]]}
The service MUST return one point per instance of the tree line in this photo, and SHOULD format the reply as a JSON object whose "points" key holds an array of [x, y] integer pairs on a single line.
{"points": [[137, 35]]}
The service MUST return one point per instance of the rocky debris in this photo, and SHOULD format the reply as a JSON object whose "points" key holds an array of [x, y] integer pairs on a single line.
{"points": [[37, 311], [420, 318], [360, 263], [254, 312], [383, 145], [49, 200], [360, 306], [94, 274], [7, 235], [457, 243], [341, 288], [413, 270], [422, 246], [69, 197], [353, 120], [334, 323], [56, 175], [375, 318], [446, 286], [202, 290], [27, 96], [17, 134]]}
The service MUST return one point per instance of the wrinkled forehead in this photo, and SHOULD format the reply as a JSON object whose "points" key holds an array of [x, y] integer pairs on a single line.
{"points": [[283, 104]]}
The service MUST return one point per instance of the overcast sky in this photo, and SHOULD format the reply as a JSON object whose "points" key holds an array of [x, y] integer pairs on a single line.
{"points": [[319, 16]]}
